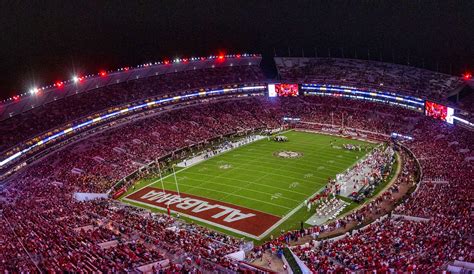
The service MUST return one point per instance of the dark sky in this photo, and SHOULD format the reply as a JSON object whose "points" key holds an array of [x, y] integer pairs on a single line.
{"points": [[45, 41]]}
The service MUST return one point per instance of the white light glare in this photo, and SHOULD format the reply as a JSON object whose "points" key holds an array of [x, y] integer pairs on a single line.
{"points": [[75, 79]]}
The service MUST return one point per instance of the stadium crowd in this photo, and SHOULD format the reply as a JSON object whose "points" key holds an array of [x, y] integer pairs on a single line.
{"points": [[96, 164], [368, 74], [45, 228], [38, 120], [63, 234]]}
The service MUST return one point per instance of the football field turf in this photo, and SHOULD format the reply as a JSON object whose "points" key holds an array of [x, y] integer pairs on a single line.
{"points": [[256, 177]]}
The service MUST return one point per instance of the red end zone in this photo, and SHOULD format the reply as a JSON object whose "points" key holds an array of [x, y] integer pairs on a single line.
{"points": [[220, 214]]}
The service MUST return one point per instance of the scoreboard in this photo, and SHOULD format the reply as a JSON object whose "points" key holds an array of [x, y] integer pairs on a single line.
{"points": [[283, 90]]}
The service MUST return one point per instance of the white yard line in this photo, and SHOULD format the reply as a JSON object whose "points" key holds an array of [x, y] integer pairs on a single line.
{"points": [[236, 195], [265, 185], [157, 180], [288, 215]]}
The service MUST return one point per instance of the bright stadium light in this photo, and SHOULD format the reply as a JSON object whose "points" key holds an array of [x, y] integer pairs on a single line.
{"points": [[33, 91]]}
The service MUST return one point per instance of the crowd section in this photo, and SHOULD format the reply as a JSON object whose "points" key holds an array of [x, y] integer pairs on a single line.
{"points": [[389, 245], [371, 74], [96, 164], [47, 229], [447, 161], [52, 115]]}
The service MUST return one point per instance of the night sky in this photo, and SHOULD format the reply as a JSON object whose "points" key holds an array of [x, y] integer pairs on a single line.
{"points": [[45, 41]]}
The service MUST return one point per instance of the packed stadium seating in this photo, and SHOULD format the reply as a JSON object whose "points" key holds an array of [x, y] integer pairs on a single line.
{"points": [[369, 74], [443, 198], [40, 119], [45, 228]]}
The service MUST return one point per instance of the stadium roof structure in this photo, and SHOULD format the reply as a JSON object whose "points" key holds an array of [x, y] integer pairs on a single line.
{"points": [[79, 84]]}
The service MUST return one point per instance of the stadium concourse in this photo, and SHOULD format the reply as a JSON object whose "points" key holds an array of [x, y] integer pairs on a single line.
{"points": [[44, 228]]}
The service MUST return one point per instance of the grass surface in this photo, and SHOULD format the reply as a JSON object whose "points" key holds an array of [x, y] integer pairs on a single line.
{"points": [[253, 177]]}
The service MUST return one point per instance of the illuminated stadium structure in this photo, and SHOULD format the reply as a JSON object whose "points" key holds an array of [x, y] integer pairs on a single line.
{"points": [[81, 165]]}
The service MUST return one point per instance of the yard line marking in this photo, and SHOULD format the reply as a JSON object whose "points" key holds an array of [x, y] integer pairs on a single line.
{"points": [[206, 160], [319, 154], [265, 185], [332, 167], [284, 218], [338, 168], [236, 195], [287, 171], [250, 182], [240, 188], [203, 182]]}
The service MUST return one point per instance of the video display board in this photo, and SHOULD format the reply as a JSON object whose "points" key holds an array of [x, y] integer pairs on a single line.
{"points": [[438, 111], [282, 90]]}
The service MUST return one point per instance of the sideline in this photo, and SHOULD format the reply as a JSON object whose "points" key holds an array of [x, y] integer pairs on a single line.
{"points": [[382, 191]]}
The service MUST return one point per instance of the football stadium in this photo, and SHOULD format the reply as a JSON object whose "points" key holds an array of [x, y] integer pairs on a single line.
{"points": [[239, 163]]}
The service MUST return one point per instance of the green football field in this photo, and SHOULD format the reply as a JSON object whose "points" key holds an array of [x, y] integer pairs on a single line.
{"points": [[253, 176]]}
